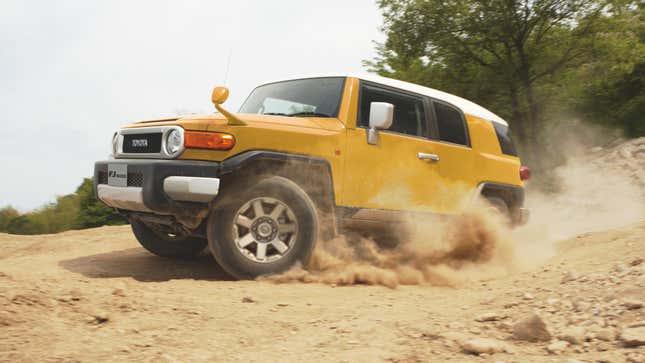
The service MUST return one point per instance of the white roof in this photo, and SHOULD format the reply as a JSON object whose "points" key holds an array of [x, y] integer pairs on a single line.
{"points": [[466, 106]]}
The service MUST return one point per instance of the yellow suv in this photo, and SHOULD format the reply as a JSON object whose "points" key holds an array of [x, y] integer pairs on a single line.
{"points": [[303, 159]]}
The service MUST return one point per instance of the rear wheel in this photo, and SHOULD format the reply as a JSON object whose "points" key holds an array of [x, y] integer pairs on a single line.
{"points": [[499, 206], [266, 229], [166, 243]]}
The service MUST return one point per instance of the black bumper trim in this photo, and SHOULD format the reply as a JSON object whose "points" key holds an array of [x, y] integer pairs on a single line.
{"points": [[154, 172]]}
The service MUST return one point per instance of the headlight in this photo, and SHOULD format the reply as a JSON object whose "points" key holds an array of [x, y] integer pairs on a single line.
{"points": [[174, 142]]}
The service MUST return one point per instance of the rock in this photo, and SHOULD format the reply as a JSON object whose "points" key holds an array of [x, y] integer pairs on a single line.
{"points": [[557, 347], [632, 337], [637, 324], [454, 336], [581, 305], [569, 276], [573, 335], [621, 268], [455, 325], [531, 328], [118, 292], [636, 262], [99, 318], [528, 296], [483, 346], [606, 335], [248, 299], [491, 316], [632, 304]]}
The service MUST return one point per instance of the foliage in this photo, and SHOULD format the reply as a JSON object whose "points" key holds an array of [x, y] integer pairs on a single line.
{"points": [[93, 213], [73, 211], [525, 59]]}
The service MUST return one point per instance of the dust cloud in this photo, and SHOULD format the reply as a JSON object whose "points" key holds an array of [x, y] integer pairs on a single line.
{"points": [[444, 252], [593, 189]]}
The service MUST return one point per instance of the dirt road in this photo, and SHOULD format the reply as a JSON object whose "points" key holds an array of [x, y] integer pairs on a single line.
{"points": [[96, 295]]}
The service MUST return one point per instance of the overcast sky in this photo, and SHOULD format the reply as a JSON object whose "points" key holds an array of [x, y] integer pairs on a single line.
{"points": [[71, 72]]}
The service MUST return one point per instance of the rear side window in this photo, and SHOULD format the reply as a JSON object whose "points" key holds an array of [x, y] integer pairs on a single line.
{"points": [[451, 125], [409, 116], [504, 137]]}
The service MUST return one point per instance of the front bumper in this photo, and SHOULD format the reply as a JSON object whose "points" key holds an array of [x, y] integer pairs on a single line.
{"points": [[158, 186]]}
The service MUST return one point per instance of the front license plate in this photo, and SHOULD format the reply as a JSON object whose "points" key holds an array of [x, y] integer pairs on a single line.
{"points": [[118, 175]]}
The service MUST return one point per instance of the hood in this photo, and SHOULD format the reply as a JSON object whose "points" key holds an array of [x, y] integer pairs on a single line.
{"points": [[214, 121]]}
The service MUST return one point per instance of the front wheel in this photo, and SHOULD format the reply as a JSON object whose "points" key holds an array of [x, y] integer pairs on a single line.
{"points": [[263, 230]]}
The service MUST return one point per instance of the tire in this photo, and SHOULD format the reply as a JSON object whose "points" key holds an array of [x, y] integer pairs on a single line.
{"points": [[499, 206], [165, 245], [265, 229]]}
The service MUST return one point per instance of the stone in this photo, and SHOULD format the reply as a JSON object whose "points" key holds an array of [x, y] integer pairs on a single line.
{"points": [[528, 296], [557, 347], [491, 316], [606, 335], [573, 335], [531, 328], [632, 304], [636, 262], [632, 337], [569, 276], [483, 346], [118, 292]]}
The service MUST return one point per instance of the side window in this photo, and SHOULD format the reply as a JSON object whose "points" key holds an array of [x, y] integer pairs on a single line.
{"points": [[451, 125], [409, 116], [504, 137]]}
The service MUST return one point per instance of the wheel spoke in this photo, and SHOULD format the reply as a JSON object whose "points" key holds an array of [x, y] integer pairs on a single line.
{"points": [[287, 228], [257, 208], [246, 240], [244, 221], [277, 210], [279, 245], [261, 251]]}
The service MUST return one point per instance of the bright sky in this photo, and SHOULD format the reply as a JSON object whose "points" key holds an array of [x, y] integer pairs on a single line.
{"points": [[71, 72]]}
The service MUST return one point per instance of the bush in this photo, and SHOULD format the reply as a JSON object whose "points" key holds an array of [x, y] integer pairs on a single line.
{"points": [[73, 211]]}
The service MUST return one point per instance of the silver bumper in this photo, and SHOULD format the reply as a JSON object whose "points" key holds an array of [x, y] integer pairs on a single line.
{"points": [[179, 188]]}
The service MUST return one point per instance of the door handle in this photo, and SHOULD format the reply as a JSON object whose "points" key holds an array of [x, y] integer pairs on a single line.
{"points": [[427, 156]]}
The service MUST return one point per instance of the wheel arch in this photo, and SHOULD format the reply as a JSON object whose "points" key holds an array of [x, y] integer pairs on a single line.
{"points": [[512, 195], [312, 174]]}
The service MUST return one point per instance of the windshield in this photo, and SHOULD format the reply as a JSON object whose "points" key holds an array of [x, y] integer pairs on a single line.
{"points": [[319, 97]]}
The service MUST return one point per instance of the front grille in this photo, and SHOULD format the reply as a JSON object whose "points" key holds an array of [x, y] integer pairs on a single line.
{"points": [[134, 179], [142, 143]]}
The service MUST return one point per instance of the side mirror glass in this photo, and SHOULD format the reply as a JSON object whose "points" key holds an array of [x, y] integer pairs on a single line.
{"points": [[381, 116]]}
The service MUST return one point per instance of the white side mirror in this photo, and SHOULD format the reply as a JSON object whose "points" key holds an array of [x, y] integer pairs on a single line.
{"points": [[381, 115]]}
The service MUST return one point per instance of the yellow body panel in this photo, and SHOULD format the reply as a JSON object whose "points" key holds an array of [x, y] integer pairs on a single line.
{"points": [[388, 175]]}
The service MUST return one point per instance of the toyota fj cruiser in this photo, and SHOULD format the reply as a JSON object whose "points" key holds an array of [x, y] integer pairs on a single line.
{"points": [[302, 159]]}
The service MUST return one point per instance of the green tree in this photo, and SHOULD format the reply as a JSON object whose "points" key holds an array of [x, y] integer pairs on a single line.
{"points": [[500, 53], [7, 214], [93, 213]]}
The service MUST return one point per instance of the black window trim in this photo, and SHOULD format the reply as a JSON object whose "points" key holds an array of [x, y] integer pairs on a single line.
{"points": [[424, 101], [435, 125]]}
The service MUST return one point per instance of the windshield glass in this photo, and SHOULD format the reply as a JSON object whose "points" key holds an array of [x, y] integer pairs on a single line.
{"points": [[318, 97]]}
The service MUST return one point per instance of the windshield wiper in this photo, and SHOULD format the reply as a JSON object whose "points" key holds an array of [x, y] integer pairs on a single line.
{"points": [[315, 114]]}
